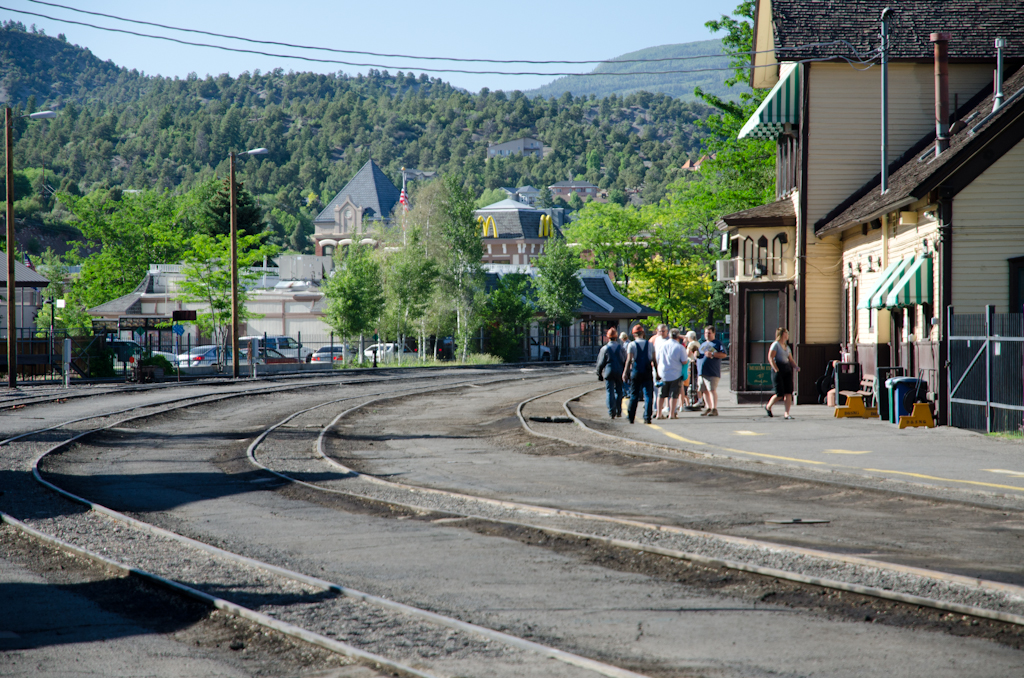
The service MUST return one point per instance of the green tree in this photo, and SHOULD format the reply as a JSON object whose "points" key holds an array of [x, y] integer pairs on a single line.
{"points": [[218, 211], [575, 202], [73, 317], [490, 196], [128, 234], [461, 270], [616, 238], [544, 198], [410, 276], [355, 298], [506, 314], [558, 288], [207, 281]]}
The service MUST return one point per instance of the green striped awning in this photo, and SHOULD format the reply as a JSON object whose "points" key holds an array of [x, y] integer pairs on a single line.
{"points": [[877, 300], [884, 278], [915, 287], [782, 105]]}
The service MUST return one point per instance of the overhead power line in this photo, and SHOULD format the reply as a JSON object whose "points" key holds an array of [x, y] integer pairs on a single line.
{"points": [[336, 50], [242, 50]]}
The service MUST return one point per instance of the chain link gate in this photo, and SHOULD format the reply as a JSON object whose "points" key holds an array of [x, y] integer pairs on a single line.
{"points": [[986, 371]]}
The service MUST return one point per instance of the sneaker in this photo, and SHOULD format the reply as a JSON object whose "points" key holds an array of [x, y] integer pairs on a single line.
{"points": [[789, 418], [713, 413], [705, 413], [648, 421]]}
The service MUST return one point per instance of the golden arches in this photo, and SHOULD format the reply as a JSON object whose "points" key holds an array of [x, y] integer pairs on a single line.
{"points": [[487, 226], [547, 226]]}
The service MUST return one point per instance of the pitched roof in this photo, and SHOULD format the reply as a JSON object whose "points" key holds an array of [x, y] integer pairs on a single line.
{"points": [[920, 174], [573, 184], [507, 204], [23, 275], [601, 298], [778, 213], [128, 304], [974, 25], [370, 189], [516, 220]]}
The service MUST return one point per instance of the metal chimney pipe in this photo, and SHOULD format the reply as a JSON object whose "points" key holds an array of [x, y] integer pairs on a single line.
{"points": [[884, 29], [941, 41], [997, 100]]}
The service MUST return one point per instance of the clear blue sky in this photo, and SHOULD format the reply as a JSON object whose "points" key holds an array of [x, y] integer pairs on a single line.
{"points": [[525, 30]]}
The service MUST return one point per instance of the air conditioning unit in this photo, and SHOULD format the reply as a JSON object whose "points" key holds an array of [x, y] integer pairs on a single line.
{"points": [[726, 269]]}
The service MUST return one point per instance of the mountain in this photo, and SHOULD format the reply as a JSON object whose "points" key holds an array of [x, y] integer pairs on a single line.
{"points": [[685, 56], [119, 129], [51, 69]]}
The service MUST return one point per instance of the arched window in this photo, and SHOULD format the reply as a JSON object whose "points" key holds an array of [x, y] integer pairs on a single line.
{"points": [[778, 246], [762, 256], [748, 256]]}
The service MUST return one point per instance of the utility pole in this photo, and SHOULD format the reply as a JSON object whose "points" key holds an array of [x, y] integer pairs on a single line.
{"points": [[12, 350], [234, 272]]}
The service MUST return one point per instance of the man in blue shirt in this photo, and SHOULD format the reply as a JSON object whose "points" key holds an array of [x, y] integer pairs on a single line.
{"points": [[709, 369]]}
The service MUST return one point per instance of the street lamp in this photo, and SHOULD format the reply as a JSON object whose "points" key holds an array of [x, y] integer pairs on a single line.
{"points": [[12, 344], [234, 260]]}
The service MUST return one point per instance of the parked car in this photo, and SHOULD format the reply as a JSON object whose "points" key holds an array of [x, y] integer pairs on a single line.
{"points": [[287, 346], [388, 350], [444, 349], [539, 351], [202, 356], [339, 353], [266, 356]]}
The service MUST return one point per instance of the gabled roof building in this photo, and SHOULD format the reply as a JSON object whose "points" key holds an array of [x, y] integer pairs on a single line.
{"points": [[368, 199], [825, 117], [513, 232]]}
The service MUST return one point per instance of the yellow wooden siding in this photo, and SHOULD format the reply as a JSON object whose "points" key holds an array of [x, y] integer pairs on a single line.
{"points": [[764, 75], [844, 122], [988, 229], [823, 292], [856, 249]]}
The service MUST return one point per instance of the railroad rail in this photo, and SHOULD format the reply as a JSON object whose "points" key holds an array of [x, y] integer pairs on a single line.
{"points": [[966, 596], [293, 630]]}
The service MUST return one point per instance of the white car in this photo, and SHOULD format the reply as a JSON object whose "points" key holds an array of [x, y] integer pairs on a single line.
{"points": [[286, 346], [387, 351], [339, 352]]}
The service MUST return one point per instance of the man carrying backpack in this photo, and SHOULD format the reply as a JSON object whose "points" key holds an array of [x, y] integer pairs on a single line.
{"points": [[639, 372], [610, 363]]}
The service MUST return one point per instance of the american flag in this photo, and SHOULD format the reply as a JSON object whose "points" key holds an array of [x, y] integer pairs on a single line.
{"points": [[404, 199]]}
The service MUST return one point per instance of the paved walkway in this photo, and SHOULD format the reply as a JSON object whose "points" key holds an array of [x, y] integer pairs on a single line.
{"points": [[940, 457]]}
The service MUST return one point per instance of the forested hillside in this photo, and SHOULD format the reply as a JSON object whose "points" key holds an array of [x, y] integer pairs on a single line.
{"points": [[688, 56], [120, 129]]}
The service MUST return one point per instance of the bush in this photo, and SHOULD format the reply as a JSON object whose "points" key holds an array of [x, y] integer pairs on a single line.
{"points": [[161, 362]]}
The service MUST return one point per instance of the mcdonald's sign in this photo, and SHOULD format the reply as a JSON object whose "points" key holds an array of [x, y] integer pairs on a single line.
{"points": [[547, 226], [487, 226]]}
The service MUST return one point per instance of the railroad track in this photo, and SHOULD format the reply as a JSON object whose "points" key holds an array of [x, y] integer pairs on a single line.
{"points": [[234, 573], [877, 579]]}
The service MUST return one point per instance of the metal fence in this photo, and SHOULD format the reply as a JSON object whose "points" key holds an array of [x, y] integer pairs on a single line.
{"points": [[986, 371]]}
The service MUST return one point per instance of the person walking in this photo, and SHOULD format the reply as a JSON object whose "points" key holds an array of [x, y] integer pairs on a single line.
{"points": [[670, 360], [709, 369], [783, 367], [611, 362], [639, 371]]}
